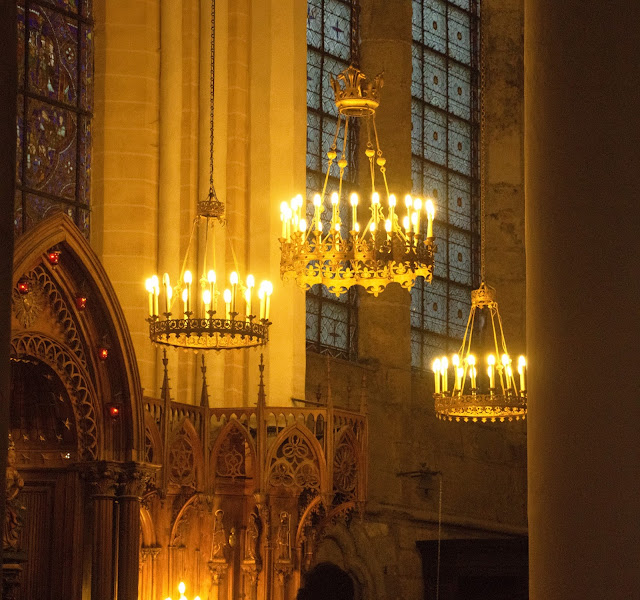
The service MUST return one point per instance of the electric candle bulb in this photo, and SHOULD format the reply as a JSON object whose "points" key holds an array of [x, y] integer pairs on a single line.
{"points": [[188, 279], [268, 290], [522, 364], [227, 303], [471, 361], [156, 292], [233, 278], [357, 228], [430, 216], [406, 223], [372, 227], [392, 200], [408, 201], [317, 200], [334, 198], [166, 282], [459, 376], [354, 199], [387, 225], [436, 374], [354, 210], [169, 296], [375, 198], [149, 286], [181, 587], [261, 296], [247, 299], [303, 225], [206, 300], [455, 361]]}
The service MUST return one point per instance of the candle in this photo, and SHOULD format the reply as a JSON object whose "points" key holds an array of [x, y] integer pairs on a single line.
{"points": [[414, 222], [471, 361], [406, 223], [417, 205], [522, 364], [334, 210], [211, 278], [457, 370], [375, 203], [392, 208], [166, 283], [506, 362], [491, 359], [283, 218], [156, 293], [188, 279], [233, 278], [408, 202], [261, 296], [459, 378], [227, 303], [303, 226], [149, 287], [445, 373], [354, 211], [251, 282], [268, 290], [206, 300], [436, 374], [169, 297], [430, 216], [185, 299], [387, 226]]}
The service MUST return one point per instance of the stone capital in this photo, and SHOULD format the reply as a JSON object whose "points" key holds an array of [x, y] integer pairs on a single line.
{"points": [[135, 478]]}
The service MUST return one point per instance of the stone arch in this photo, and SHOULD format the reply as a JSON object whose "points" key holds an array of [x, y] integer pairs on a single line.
{"points": [[225, 459], [186, 462], [147, 528], [153, 446], [296, 461], [77, 383], [84, 331]]}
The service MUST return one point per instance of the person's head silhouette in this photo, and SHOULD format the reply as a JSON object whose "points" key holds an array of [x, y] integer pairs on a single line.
{"points": [[326, 581]]}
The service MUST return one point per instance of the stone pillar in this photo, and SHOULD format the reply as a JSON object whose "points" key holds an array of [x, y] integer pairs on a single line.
{"points": [[103, 479], [582, 165], [133, 483]]}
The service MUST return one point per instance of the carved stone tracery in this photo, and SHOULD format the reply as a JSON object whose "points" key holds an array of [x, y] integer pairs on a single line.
{"points": [[294, 464]]}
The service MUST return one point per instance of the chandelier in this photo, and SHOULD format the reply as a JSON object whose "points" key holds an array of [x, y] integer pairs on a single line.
{"points": [[492, 395], [195, 313], [336, 251]]}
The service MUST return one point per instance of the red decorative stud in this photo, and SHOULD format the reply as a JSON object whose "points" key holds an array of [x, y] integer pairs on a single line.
{"points": [[23, 285], [81, 302], [114, 410], [53, 257], [103, 353]]}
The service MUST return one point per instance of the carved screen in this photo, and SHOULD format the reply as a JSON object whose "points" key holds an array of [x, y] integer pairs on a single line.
{"points": [[55, 89], [444, 144], [331, 46]]}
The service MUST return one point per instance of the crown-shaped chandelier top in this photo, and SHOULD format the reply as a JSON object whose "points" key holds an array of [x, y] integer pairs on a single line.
{"points": [[335, 250]]}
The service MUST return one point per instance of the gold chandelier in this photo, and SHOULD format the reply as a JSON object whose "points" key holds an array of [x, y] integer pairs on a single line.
{"points": [[195, 313], [393, 247], [475, 396]]}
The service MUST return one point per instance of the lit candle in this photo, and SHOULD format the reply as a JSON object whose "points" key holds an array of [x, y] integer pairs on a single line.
{"points": [[185, 300], [375, 203], [455, 360], [227, 303], [251, 282], [436, 374], [414, 222], [387, 226], [149, 287], [303, 226], [471, 361], [372, 227], [261, 296], [408, 202], [506, 362], [268, 290], [188, 279], [299, 204], [522, 365], [166, 283], [182, 588], [233, 278], [211, 278], [491, 359], [206, 300], [334, 210], [169, 297], [406, 223], [417, 205], [392, 207], [283, 218], [459, 377], [156, 293], [445, 373], [431, 213], [354, 210]]}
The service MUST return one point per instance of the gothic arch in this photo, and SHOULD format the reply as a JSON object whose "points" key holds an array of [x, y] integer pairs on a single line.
{"points": [[296, 461], [153, 447], [186, 463], [75, 380], [234, 463], [102, 324]]}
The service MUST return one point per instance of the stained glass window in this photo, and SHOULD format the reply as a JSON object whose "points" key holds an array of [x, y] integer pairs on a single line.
{"points": [[55, 83], [331, 47], [444, 142]]}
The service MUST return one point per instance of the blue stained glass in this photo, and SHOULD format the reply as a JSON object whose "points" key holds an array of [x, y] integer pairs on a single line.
{"points": [[314, 156], [68, 5], [460, 91], [460, 256], [337, 29], [86, 68], [435, 80], [314, 81], [435, 136], [53, 59], [38, 208], [435, 25], [459, 209], [460, 146], [84, 163], [19, 137], [314, 23], [459, 36], [441, 266], [459, 307], [17, 213], [21, 44]]}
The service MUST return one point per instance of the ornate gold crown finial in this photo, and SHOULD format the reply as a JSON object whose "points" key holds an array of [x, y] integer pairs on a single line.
{"points": [[483, 296], [355, 94]]}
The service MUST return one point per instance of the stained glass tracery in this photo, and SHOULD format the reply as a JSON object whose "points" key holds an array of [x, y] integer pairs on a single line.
{"points": [[331, 47], [55, 73], [444, 146]]}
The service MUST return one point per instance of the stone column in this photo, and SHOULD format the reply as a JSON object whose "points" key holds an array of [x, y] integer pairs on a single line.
{"points": [[103, 478], [582, 166], [133, 483]]}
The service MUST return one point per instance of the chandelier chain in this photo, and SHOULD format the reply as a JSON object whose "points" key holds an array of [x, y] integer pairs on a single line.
{"points": [[483, 167], [212, 191]]}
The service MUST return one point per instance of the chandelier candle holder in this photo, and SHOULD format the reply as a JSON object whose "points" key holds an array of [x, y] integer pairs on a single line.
{"points": [[396, 246], [182, 588], [474, 394], [197, 314]]}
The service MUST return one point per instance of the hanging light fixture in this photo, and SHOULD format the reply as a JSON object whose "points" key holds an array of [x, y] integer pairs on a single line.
{"points": [[396, 247], [474, 393], [195, 313]]}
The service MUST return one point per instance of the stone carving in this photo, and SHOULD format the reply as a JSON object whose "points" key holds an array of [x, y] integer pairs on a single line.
{"points": [[252, 543], [14, 510], [294, 465], [283, 551], [345, 469], [182, 461], [230, 460], [219, 536]]}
